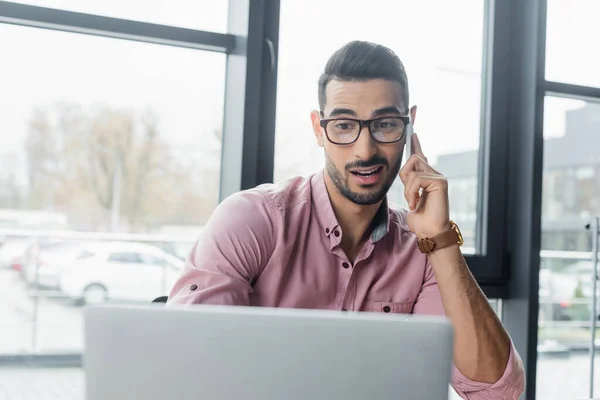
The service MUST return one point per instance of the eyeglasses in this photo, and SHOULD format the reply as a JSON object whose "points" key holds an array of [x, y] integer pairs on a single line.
{"points": [[347, 130]]}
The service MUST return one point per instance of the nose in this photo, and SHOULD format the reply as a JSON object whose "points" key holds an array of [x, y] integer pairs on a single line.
{"points": [[365, 146]]}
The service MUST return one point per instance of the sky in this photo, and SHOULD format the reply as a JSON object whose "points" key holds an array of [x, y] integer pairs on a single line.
{"points": [[440, 43]]}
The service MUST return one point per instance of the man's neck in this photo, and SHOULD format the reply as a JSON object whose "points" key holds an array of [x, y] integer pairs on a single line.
{"points": [[355, 220]]}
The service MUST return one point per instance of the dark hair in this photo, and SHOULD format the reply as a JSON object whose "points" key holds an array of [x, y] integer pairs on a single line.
{"points": [[362, 61]]}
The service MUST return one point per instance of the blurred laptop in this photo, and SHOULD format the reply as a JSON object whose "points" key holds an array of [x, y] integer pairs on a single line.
{"points": [[233, 353]]}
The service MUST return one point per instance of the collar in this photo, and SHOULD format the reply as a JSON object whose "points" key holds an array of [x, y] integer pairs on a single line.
{"points": [[381, 222], [326, 216]]}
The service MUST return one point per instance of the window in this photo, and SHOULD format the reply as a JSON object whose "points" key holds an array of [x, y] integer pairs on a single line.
{"points": [[206, 15], [107, 138], [130, 258], [109, 135], [570, 200], [85, 255], [442, 53], [149, 259], [572, 34]]}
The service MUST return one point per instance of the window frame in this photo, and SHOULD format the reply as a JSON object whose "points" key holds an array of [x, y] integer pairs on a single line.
{"points": [[96, 25], [524, 30]]}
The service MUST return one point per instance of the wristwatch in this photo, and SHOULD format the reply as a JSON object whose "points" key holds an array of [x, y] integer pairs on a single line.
{"points": [[448, 238]]}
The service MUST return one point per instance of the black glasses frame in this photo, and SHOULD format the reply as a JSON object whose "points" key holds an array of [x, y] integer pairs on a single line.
{"points": [[362, 123]]}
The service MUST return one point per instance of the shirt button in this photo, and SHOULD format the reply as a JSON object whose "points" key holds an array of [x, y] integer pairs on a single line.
{"points": [[194, 287], [326, 230], [336, 233], [386, 309], [345, 265]]}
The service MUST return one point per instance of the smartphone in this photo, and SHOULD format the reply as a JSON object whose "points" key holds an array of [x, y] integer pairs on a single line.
{"points": [[408, 144]]}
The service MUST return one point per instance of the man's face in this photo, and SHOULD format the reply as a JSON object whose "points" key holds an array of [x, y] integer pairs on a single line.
{"points": [[362, 171]]}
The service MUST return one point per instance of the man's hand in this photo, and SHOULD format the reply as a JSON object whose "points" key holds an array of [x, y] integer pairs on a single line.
{"points": [[426, 191]]}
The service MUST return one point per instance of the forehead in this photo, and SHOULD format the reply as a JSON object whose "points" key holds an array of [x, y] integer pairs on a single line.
{"points": [[363, 97]]}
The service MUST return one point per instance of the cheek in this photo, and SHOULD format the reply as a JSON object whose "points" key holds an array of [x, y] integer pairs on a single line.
{"points": [[337, 157], [393, 155]]}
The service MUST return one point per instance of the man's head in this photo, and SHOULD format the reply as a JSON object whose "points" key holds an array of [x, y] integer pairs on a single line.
{"points": [[362, 81]]}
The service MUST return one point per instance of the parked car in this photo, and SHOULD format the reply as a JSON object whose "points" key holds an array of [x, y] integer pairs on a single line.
{"points": [[44, 269], [11, 250], [555, 296], [120, 271], [29, 260], [566, 294]]}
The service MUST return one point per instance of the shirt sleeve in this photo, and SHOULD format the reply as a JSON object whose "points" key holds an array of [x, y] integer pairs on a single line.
{"points": [[512, 383], [235, 245]]}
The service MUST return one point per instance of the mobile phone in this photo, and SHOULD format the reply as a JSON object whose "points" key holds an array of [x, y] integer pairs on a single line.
{"points": [[408, 144]]}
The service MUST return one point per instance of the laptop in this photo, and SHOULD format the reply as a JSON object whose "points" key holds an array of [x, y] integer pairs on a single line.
{"points": [[233, 353]]}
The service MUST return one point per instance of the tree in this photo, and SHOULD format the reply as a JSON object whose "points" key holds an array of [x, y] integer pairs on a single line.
{"points": [[90, 162], [10, 190]]}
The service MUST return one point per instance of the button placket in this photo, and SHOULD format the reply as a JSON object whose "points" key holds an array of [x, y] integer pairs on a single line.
{"points": [[350, 288]]}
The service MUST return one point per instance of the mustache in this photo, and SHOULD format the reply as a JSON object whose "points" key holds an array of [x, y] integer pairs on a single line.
{"points": [[372, 162]]}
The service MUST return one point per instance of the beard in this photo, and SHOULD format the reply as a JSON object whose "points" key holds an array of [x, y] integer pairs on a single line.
{"points": [[340, 180]]}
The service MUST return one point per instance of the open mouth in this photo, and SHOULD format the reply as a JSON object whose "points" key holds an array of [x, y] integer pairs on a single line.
{"points": [[367, 172]]}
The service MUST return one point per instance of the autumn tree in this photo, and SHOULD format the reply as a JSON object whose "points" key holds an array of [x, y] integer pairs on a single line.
{"points": [[88, 163]]}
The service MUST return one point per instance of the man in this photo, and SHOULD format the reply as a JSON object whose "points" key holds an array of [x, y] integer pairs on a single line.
{"points": [[330, 241]]}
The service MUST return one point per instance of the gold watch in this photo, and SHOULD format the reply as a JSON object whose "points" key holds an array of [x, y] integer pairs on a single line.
{"points": [[448, 238]]}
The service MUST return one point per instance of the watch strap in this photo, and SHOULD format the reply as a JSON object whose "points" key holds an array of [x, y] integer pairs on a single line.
{"points": [[445, 239]]}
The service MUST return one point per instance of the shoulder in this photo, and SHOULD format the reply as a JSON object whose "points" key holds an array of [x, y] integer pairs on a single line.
{"points": [[286, 194], [397, 215], [266, 201]]}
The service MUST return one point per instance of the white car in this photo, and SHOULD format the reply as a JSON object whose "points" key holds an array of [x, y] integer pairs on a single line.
{"points": [[10, 250], [44, 268], [120, 271]]}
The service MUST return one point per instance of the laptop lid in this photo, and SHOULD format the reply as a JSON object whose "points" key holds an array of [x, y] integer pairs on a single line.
{"points": [[230, 353]]}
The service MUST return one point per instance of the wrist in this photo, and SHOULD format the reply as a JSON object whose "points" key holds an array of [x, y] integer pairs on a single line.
{"points": [[435, 231], [446, 237]]}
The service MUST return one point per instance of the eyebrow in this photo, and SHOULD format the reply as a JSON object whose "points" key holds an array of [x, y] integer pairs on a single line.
{"points": [[376, 113], [387, 110]]}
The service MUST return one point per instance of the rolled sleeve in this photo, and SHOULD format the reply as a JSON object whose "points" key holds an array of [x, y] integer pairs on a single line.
{"points": [[235, 245], [510, 386], [512, 383]]}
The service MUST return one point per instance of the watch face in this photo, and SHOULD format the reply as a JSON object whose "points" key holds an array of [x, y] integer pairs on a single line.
{"points": [[458, 232]]}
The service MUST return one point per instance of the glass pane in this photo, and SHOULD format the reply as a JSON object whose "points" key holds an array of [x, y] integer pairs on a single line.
{"points": [[124, 258], [118, 141], [572, 32], [149, 259], [441, 75], [205, 15], [571, 189]]}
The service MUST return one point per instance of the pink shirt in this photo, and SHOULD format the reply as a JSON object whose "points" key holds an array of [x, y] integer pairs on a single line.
{"points": [[278, 245]]}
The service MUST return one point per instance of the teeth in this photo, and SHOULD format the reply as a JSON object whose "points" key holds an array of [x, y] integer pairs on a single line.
{"points": [[369, 172]]}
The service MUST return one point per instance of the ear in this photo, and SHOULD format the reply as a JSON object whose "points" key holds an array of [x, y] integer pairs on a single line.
{"points": [[315, 117], [413, 114]]}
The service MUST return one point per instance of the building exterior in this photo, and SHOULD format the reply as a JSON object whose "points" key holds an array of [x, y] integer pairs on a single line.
{"points": [[571, 183]]}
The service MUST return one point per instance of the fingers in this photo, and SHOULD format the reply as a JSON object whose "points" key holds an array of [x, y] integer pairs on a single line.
{"points": [[421, 180], [412, 191], [415, 163], [416, 146], [417, 174]]}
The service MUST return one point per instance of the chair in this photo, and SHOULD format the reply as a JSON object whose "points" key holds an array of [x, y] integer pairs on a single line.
{"points": [[161, 299]]}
